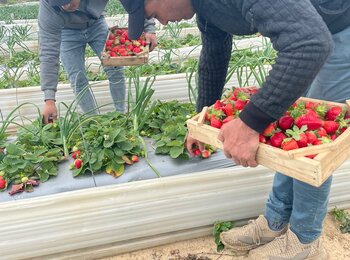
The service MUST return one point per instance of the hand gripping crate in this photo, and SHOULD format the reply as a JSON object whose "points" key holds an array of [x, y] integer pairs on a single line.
{"points": [[137, 59], [292, 163]]}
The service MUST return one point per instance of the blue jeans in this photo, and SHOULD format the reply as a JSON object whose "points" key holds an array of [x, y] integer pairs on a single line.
{"points": [[291, 201], [72, 55]]}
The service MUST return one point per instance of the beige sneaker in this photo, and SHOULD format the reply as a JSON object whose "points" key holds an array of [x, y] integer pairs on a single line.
{"points": [[250, 236], [287, 247]]}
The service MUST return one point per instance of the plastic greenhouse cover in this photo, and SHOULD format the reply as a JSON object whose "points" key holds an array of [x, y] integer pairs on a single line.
{"points": [[164, 164]]}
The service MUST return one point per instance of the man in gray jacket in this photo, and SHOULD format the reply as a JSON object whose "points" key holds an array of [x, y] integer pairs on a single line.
{"points": [[65, 29], [312, 38]]}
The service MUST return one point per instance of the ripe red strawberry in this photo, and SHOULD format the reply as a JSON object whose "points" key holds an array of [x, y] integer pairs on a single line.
{"points": [[262, 139], [197, 152], [277, 139], [78, 163], [76, 154], [285, 122], [310, 105], [308, 120], [2, 183], [321, 132], [289, 144], [239, 104], [302, 142], [227, 119], [330, 126], [270, 129], [215, 122], [323, 140], [311, 156], [311, 137], [217, 105], [228, 109], [333, 113], [206, 154], [134, 158]]}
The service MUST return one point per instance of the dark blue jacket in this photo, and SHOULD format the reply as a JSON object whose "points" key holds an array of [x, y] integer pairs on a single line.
{"points": [[300, 30]]}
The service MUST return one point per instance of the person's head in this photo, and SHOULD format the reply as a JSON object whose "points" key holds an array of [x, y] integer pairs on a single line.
{"points": [[163, 10], [66, 5]]}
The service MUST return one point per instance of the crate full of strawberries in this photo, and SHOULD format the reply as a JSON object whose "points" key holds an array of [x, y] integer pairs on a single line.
{"points": [[309, 142], [119, 50]]}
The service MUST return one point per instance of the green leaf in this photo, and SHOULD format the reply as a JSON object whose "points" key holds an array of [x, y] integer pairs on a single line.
{"points": [[125, 146], [175, 143], [176, 151]]}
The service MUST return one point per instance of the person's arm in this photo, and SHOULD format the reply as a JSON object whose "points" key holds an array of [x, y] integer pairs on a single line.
{"points": [[213, 63], [150, 33], [303, 43], [50, 27]]}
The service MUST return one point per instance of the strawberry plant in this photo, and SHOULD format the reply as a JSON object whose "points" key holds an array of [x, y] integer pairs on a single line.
{"points": [[219, 227]]}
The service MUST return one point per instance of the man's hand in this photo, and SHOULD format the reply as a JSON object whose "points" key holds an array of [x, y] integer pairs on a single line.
{"points": [[151, 39], [240, 142], [49, 111], [191, 142]]}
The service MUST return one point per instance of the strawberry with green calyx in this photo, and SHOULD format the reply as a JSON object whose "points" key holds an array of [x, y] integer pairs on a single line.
{"points": [[321, 132], [277, 139], [228, 109], [321, 110], [240, 104], [298, 135], [270, 129], [331, 126], [217, 105], [334, 112], [289, 144], [215, 122], [310, 105], [285, 122], [76, 154]]}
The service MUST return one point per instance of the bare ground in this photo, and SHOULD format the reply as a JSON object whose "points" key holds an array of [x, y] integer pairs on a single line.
{"points": [[204, 248]]}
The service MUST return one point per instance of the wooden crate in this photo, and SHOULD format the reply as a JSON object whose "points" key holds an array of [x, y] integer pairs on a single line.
{"points": [[291, 163], [137, 59]]}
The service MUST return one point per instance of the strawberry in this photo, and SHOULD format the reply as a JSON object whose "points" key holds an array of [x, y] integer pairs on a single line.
{"points": [[2, 183], [311, 156], [197, 152], [311, 137], [289, 144], [308, 120], [134, 158], [262, 139], [277, 139], [323, 140], [215, 122], [330, 126], [78, 163], [285, 122], [228, 109], [321, 132], [333, 113], [298, 135], [206, 154], [270, 129], [310, 105], [227, 119], [76, 154], [239, 104], [218, 105]]}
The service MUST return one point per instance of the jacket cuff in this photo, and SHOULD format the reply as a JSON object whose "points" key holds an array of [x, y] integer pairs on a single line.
{"points": [[253, 117], [49, 94]]}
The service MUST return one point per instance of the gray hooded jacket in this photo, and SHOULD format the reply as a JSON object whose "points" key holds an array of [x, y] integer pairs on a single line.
{"points": [[51, 22]]}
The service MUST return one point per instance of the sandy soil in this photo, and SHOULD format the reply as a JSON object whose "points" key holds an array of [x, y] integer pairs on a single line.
{"points": [[336, 244]]}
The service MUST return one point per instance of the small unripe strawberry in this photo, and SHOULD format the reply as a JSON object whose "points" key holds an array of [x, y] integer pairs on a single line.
{"points": [[134, 158], [24, 179], [75, 148], [78, 163], [2, 173], [206, 154]]}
